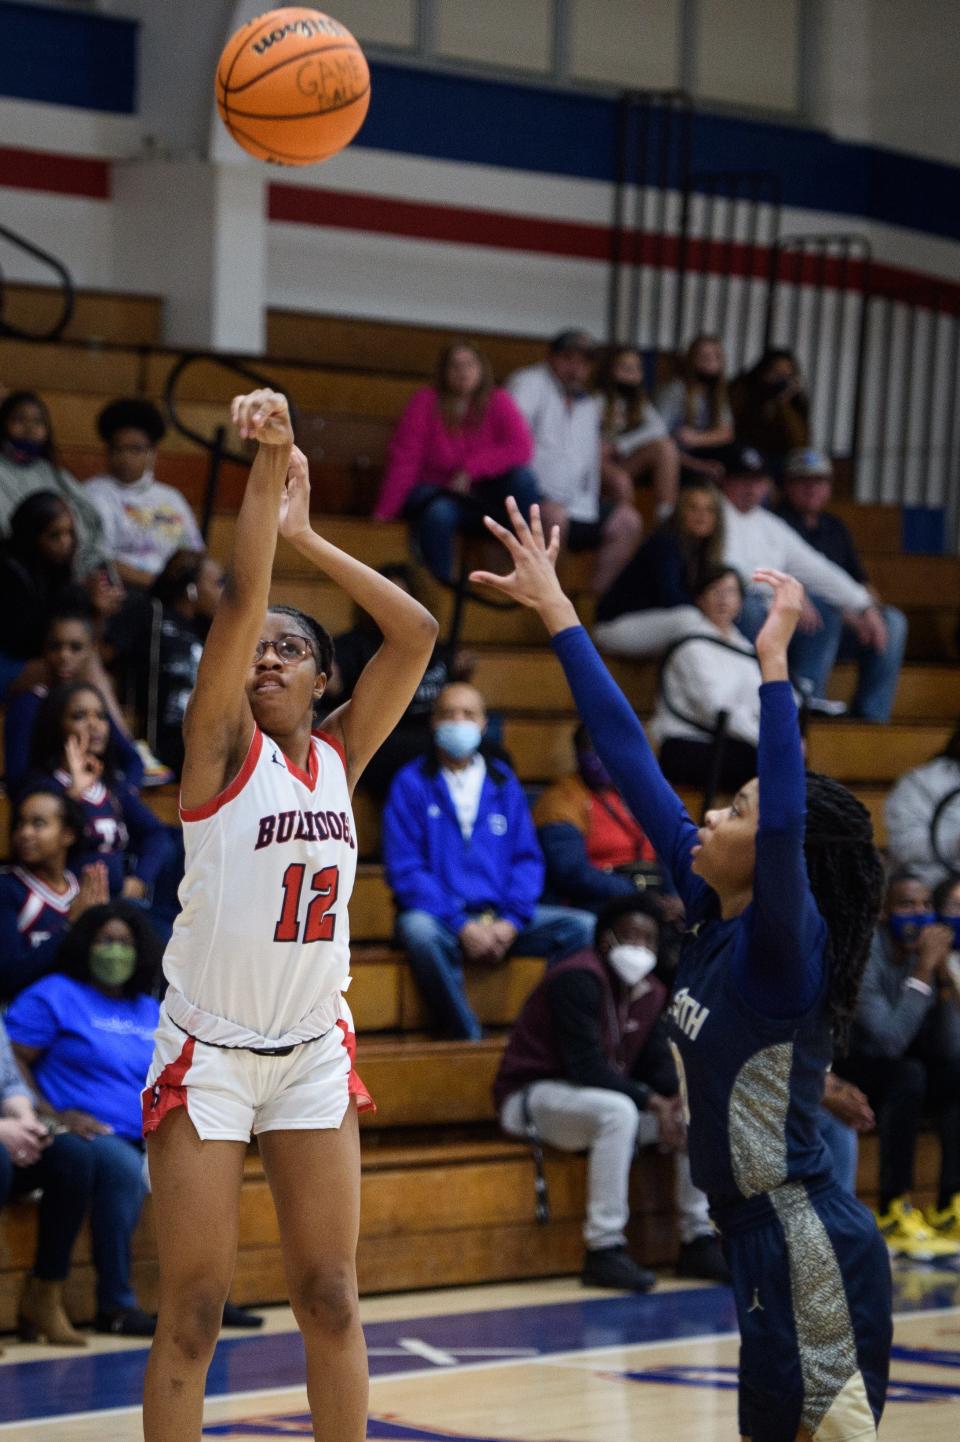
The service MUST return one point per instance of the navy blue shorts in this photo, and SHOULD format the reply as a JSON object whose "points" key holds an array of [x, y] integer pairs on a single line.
{"points": [[811, 1278]]}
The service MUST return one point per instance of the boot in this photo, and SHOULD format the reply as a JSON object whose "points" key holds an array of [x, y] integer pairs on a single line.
{"points": [[43, 1317]]}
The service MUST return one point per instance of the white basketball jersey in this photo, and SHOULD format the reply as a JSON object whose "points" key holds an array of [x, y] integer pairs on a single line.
{"points": [[261, 949]]}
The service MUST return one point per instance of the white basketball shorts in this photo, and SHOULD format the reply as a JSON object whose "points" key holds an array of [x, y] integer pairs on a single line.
{"points": [[231, 1094]]}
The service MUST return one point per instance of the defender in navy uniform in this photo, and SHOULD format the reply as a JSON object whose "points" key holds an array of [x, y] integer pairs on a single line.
{"points": [[781, 890]]}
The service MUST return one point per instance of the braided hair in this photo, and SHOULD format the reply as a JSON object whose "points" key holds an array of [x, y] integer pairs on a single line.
{"points": [[846, 878], [317, 634]]}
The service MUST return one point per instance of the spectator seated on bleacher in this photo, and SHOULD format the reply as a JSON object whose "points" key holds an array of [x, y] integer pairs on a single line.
{"points": [[73, 752], [594, 849], [410, 738], [700, 679], [28, 463], [38, 577], [40, 897], [462, 859], [143, 520], [588, 1068], [650, 603], [696, 407], [946, 903], [84, 1038], [570, 460], [460, 448], [844, 1114], [905, 1055], [771, 409], [23, 1137], [754, 538], [69, 654], [909, 812], [877, 649], [158, 644], [634, 433]]}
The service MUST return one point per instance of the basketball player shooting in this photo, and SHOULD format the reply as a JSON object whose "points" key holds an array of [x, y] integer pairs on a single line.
{"points": [[255, 1037]]}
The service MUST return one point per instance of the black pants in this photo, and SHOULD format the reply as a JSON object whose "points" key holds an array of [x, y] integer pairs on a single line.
{"points": [[688, 763], [901, 1090]]}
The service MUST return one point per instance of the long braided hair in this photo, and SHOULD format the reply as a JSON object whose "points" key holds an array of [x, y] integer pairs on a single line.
{"points": [[846, 878]]}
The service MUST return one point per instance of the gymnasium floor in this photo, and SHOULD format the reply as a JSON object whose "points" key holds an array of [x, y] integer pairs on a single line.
{"points": [[539, 1362]]}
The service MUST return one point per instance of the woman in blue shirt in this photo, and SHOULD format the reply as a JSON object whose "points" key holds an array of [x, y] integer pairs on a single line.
{"points": [[84, 1038], [781, 890]]}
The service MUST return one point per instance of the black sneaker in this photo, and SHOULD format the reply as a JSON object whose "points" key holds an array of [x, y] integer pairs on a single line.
{"points": [[614, 1267], [132, 1322], [234, 1316], [703, 1259]]}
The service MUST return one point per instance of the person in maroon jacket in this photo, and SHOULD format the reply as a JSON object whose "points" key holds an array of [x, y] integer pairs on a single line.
{"points": [[588, 1068]]}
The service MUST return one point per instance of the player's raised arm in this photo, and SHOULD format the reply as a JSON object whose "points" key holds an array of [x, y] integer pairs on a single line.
{"points": [[388, 682], [219, 724]]}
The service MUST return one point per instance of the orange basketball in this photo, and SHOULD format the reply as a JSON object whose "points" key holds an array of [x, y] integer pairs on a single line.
{"points": [[293, 86]]}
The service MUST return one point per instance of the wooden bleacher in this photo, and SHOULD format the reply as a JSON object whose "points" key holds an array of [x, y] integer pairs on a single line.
{"points": [[445, 1198]]}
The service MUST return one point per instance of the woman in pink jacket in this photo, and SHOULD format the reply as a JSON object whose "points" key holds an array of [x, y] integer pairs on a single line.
{"points": [[460, 448]]}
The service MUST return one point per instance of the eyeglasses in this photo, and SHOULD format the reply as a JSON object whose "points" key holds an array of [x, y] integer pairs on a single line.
{"points": [[289, 650]]}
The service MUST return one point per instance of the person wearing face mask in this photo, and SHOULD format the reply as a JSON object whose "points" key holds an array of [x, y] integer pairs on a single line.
{"points": [[696, 407], [905, 1055], [771, 409], [946, 903], [584, 487], [588, 1068], [593, 847], [83, 1038], [461, 857], [634, 431]]}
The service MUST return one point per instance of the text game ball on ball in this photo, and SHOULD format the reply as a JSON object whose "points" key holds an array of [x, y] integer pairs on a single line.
{"points": [[293, 86]]}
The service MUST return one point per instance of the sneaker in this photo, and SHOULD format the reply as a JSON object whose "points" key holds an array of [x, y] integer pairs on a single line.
{"points": [[907, 1234], [131, 1322], [155, 773], [703, 1259], [820, 706], [945, 1222], [614, 1267]]}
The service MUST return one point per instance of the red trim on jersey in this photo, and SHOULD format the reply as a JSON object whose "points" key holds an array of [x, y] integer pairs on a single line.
{"points": [[210, 808], [355, 1086], [168, 1091], [335, 743], [306, 778]]}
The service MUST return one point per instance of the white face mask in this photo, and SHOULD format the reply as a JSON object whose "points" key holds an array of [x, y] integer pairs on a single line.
{"points": [[631, 963]]}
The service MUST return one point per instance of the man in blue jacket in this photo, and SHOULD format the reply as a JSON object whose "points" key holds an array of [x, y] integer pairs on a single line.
{"points": [[463, 861]]}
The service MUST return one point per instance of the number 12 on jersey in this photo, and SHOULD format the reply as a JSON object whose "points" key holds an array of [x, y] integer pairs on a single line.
{"points": [[320, 924]]}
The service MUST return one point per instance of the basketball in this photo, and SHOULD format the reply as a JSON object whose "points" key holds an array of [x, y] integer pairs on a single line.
{"points": [[293, 86]]}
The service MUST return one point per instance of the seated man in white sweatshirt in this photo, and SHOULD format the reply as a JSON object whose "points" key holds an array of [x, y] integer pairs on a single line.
{"points": [[755, 538]]}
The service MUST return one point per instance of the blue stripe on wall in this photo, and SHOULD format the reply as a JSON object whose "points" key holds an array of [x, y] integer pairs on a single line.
{"points": [[525, 127], [63, 58]]}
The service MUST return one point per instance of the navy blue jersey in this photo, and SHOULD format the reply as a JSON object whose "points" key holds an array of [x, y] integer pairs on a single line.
{"points": [[118, 829], [33, 918], [748, 1016]]}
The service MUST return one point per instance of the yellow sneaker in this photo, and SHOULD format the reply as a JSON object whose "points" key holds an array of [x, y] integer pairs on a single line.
{"points": [[945, 1222], [907, 1234]]}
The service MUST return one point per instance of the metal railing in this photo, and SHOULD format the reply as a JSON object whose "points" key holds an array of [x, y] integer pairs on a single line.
{"points": [[67, 292], [215, 445]]}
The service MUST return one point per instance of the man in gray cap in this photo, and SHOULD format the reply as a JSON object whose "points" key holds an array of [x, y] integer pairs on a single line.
{"points": [[568, 458], [845, 634]]}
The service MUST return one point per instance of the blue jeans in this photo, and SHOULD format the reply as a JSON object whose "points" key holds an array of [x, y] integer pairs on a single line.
{"points": [[813, 657], [841, 1143], [437, 516], [436, 960], [103, 1177]]}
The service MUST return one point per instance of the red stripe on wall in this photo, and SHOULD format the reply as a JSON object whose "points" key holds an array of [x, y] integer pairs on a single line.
{"points": [[80, 175], [581, 240]]}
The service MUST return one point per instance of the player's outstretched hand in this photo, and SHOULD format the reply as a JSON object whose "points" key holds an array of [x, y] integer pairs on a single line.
{"points": [[263, 416], [533, 580], [294, 520], [776, 633]]}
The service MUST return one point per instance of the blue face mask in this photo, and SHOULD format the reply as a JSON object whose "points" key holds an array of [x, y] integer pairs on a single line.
{"points": [[954, 924], [458, 738], [905, 927]]}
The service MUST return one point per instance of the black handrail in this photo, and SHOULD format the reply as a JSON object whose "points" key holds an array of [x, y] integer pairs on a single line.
{"points": [[68, 298], [460, 586], [215, 445]]}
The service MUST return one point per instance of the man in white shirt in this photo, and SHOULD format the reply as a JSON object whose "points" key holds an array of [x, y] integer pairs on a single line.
{"points": [[462, 859], [144, 521], [569, 460], [754, 538]]}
